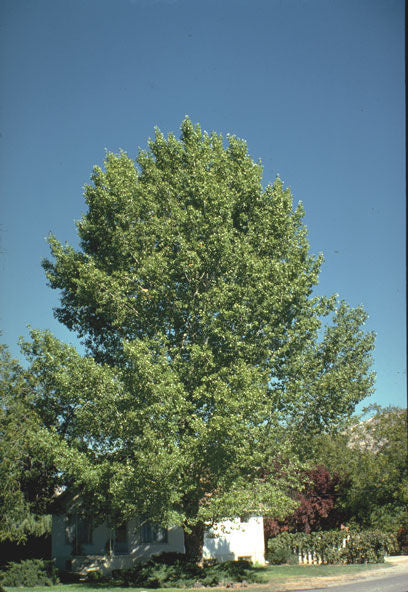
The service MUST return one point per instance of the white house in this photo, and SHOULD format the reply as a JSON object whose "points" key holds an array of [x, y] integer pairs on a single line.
{"points": [[77, 546]]}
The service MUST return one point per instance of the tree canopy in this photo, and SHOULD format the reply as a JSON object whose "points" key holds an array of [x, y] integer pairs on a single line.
{"points": [[208, 351]]}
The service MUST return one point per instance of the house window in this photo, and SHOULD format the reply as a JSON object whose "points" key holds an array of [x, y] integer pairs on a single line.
{"points": [[152, 533], [120, 543], [78, 532], [245, 558]]}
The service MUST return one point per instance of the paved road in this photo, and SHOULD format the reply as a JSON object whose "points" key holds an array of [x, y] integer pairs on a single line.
{"points": [[394, 583], [381, 581]]}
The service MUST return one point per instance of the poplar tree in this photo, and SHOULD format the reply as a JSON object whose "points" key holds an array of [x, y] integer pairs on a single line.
{"points": [[209, 354]]}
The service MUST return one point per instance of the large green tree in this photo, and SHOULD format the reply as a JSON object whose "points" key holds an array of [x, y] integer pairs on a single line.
{"points": [[208, 353]]}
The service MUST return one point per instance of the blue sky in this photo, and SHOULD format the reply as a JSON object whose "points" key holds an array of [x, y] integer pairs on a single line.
{"points": [[316, 87]]}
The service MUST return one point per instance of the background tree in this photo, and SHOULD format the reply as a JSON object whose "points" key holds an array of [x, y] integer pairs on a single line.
{"points": [[317, 505], [27, 478], [193, 293], [372, 456]]}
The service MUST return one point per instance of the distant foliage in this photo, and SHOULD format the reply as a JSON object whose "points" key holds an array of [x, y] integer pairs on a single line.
{"points": [[372, 457]]}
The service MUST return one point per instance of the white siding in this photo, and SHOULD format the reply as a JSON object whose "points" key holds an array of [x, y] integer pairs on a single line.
{"points": [[232, 539]]}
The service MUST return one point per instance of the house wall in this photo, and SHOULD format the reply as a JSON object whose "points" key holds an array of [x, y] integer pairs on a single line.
{"points": [[229, 540], [233, 539], [95, 554]]}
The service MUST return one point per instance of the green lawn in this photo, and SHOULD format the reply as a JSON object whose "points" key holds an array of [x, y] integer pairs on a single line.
{"points": [[274, 575], [275, 572]]}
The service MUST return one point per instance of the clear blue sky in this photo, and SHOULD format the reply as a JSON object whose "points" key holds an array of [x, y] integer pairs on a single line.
{"points": [[316, 87]]}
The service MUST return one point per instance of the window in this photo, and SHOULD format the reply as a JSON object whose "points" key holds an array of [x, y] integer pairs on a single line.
{"points": [[120, 542], [78, 532], [245, 558], [152, 533]]}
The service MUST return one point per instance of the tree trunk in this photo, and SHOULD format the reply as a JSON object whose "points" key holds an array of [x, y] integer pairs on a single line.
{"points": [[194, 543]]}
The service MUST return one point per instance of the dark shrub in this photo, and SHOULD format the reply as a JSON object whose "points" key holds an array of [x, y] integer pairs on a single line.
{"points": [[230, 571], [30, 572], [155, 573], [69, 577], [33, 548], [402, 539], [95, 576], [148, 575], [170, 558]]}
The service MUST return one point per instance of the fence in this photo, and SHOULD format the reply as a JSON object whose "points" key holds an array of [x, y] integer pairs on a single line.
{"points": [[335, 546]]}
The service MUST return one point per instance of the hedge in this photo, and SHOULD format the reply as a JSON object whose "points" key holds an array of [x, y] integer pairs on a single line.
{"points": [[30, 572], [333, 546]]}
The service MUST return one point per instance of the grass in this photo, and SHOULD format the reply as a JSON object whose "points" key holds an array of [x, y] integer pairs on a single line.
{"points": [[315, 571], [272, 575]]}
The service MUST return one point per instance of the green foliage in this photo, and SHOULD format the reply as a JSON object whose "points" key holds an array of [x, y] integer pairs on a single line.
{"points": [[207, 352], [179, 573], [156, 575], [27, 476], [369, 547], [281, 555], [231, 571], [336, 546], [96, 576], [31, 572], [370, 457]]}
